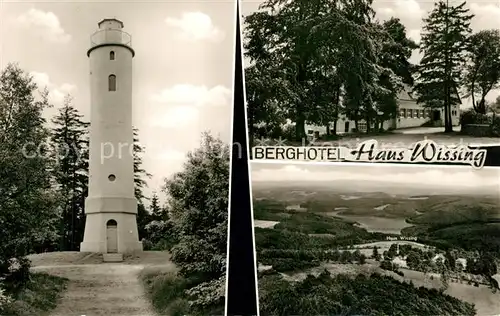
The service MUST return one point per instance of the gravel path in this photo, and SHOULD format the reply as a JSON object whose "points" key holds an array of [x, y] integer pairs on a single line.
{"points": [[98, 289]]}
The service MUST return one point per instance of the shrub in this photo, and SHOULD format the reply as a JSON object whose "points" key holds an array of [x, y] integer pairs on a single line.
{"points": [[4, 300], [38, 296], [471, 117], [172, 294], [495, 126], [161, 235]]}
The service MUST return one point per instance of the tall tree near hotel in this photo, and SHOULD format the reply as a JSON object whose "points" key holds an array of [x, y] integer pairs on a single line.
{"points": [[444, 43], [483, 68], [308, 47]]}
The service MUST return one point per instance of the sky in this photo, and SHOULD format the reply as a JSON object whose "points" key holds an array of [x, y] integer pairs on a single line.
{"points": [[435, 176], [411, 13], [182, 70]]}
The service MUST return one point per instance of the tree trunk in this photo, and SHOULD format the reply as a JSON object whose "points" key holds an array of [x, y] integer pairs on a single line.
{"points": [[300, 127], [448, 126]]}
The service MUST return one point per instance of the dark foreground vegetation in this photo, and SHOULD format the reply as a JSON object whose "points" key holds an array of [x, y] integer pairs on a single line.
{"points": [[37, 296], [360, 295]]}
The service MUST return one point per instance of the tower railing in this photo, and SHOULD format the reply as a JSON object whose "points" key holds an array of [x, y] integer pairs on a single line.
{"points": [[110, 36]]}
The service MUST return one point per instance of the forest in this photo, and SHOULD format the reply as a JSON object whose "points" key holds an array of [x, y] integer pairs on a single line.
{"points": [[43, 186], [312, 62], [309, 258]]}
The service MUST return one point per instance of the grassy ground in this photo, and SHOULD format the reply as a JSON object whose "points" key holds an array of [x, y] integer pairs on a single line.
{"points": [[167, 293], [39, 297]]}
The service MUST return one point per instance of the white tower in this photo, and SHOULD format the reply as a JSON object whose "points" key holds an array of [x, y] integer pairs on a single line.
{"points": [[111, 207]]}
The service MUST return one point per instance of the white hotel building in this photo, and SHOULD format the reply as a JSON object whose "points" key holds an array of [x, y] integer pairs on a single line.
{"points": [[410, 114]]}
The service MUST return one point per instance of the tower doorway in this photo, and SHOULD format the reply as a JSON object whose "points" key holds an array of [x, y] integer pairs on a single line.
{"points": [[112, 236]]}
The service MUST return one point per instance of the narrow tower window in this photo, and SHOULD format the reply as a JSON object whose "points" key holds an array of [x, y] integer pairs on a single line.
{"points": [[112, 83], [112, 55]]}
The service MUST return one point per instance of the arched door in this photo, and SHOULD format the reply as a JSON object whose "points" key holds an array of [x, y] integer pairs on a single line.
{"points": [[112, 236]]}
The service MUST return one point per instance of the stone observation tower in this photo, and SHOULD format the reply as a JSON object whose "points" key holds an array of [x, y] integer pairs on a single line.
{"points": [[111, 207]]}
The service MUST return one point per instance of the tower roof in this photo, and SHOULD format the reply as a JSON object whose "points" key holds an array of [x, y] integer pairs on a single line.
{"points": [[110, 20]]}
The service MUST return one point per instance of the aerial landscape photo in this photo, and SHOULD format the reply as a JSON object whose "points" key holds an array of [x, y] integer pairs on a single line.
{"points": [[356, 239]]}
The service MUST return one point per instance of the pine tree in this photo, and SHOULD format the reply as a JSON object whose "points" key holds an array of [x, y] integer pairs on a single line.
{"points": [[69, 137], [143, 216], [139, 172], [156, 210], [444, 43]]}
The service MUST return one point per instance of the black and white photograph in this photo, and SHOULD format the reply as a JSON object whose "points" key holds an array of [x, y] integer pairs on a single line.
{"points": [[359, 239], [115, 118], [401, 71]]}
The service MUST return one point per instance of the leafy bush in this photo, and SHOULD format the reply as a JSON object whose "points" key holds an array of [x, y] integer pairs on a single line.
{"points": [[161, 235], [198, 201], [172, 294], [472, 117], [4, 300], [208, 294], [495, 126], [167, 291], [39, 295], [18, 275]]}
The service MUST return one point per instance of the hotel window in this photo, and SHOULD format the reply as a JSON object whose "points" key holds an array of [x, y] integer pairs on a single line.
{"points": [[362, 126], [402, 113], [410, 113], [422, 113], [112, 83], [112, 55]]}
